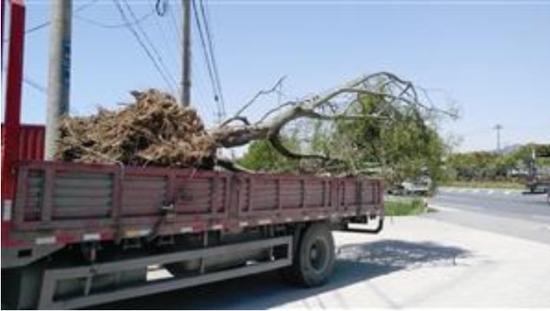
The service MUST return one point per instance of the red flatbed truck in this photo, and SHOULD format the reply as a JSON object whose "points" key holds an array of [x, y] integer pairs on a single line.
{"points": [[75, 235]]}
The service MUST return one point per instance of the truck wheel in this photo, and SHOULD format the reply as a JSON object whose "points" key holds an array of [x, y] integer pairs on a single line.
{"points": [[314, 260]]}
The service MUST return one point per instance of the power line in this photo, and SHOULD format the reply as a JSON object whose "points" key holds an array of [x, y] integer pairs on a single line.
{"points": [[177, 30], [35, 85], [142, 44], [47, 23], [212, 55], [37, 27], [32, 83], [199, 83], [201, 92], [112, 26], [149, 41], [161, 6], [205, 51], [161, 12], [209, 63]]}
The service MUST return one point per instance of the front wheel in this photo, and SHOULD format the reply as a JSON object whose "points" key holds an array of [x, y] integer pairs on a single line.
{"points": [[314, 260]]}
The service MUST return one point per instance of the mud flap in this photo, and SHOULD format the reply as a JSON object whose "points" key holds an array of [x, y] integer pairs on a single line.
{"points": [[377, 229]]}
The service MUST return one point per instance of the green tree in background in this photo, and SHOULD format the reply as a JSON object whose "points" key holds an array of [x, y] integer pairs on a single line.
{"points": [[261, 156], [490, 166], [400, 142]]}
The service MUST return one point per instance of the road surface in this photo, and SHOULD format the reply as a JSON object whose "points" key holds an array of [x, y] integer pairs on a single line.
{"points": [[507, 212]]}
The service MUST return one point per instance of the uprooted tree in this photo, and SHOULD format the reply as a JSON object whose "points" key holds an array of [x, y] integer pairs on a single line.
{"points": [[400, 143], [346, 125]]}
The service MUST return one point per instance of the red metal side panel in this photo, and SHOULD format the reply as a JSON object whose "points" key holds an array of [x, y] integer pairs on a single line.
{"points": [[291, 194], [264, 194], [143, 195], [315, 194], [71, 202], [201, 194], [12, 113], [31, 142], [272, 198]]}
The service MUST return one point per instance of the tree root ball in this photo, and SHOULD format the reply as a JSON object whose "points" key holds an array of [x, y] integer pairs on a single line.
{"points": [[152, 131]]}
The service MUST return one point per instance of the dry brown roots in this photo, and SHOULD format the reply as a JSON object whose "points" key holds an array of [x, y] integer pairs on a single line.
{"points": [[154, 130]]}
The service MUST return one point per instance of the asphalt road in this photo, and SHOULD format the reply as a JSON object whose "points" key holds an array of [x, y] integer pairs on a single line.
{"points": [[509, 212]]}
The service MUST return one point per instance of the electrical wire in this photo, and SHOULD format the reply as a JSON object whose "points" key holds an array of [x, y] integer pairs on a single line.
{"points": [[142, 44], [200, 86], [212, 55], [209, 64], [112, 26], [32, 83], [47, 23], [150, 42], [205, 54], [166, 40], [161, 6], [35, 85], [200, 90], [177, 30]]}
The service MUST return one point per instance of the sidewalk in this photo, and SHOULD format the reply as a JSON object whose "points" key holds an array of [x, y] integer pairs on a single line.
{"points": [[431, 263]]}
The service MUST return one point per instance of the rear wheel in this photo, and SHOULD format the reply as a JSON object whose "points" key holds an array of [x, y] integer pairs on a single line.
{"points": [[314, 259]]}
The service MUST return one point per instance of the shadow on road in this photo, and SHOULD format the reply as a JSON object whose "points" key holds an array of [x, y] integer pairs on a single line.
{"points": [[356, 263]]}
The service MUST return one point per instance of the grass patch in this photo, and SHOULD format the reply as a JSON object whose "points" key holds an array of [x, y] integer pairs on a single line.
{"points": [[484, 184], [405, 207]]}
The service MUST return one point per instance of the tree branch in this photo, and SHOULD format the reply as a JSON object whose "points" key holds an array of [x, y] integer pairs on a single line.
{"points": [[253, 99], [333, 105], [280, 147]]}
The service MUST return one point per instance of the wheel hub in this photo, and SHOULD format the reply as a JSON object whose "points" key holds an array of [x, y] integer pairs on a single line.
{"points": [[318, 255]]}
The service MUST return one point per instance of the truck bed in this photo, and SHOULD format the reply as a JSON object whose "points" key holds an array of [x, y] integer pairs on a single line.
{"points": [[62, 203]]}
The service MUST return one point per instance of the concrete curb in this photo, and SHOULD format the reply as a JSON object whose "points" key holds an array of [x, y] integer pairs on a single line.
{"points": [[486, 191]]}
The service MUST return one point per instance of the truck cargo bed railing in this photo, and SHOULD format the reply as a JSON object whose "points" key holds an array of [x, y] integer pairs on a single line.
{"points": [[65, 203]]}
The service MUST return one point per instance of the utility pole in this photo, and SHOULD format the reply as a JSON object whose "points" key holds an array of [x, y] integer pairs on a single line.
{"points": [[498, 128], [186, 63], [59, 71]]}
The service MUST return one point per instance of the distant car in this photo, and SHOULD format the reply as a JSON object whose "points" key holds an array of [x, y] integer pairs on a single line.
{"points": [[538, 178], [538, 184], [420, 186]]}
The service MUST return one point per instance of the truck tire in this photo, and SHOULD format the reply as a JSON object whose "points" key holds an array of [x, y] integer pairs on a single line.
{"points": [[314, 257]]}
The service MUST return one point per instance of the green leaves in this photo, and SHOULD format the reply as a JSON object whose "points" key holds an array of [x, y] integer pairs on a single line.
{"points": [[261, 156], [398, 146], [483, 165]]}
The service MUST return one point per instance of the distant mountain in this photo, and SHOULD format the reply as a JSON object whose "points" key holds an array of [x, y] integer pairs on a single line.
{"points": [[509, 149]]}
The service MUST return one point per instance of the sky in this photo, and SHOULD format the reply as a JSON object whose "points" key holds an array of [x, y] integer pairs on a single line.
{"points": [[491, 59]]}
